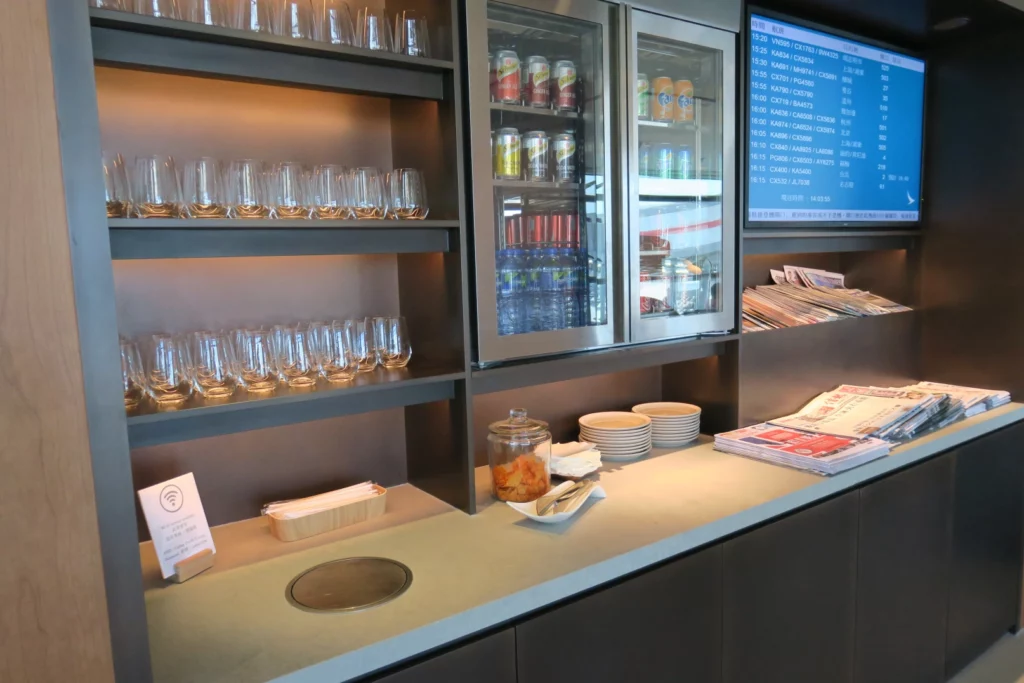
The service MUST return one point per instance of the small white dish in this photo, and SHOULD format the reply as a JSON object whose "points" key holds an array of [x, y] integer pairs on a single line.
{"points": [[530, 509]]}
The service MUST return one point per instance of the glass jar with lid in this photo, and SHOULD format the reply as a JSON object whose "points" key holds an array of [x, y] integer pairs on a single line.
{"points": [[519, 452]]}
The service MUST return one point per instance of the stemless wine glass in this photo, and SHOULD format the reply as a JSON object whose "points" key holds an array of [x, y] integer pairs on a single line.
{"points": [[109, 4], [336, 362], [249, 15], [333, 23], [372, 30], [407, 194], [295, 354], [254, 360], [330, 192], [156, 193], [293, 19], [203, 189], [213, 364], [209, 12], [166, 9], [394, 350], [367, 193], [359, 333], [291, 195], [411, 34], [133, 377], [115, 185], [168, 369], [247, 189]]}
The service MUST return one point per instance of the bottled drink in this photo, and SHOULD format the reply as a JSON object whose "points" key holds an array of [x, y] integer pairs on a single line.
{"points": [[596, 289], [548, 302], [567, 279], [643, 97], [532, 259], [582, 285], [511, 291]]}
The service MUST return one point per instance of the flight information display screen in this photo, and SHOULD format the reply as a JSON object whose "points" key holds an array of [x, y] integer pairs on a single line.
{"points": [[835, 129]]}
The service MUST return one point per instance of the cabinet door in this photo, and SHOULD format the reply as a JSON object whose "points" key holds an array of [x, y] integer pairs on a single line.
{"points": [[902, 570], [985, 571], [788, 592], [664, 625], [489, 660]]}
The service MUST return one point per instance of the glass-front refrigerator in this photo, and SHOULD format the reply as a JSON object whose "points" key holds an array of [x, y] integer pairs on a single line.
{"points": [[539, 87], [682, 174]]}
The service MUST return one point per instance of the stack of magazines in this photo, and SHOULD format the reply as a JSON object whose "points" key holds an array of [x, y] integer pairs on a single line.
{"points": [[804, 296], [851, 425]]}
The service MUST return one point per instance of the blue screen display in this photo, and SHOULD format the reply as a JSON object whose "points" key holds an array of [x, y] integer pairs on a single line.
{"points": [[835, 128]]}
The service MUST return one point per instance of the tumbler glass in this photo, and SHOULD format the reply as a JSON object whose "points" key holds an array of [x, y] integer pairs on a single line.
{"points": [[295, 355], [109, 4], [115, 186], [290, 192], [203, 189], [156, 193], [407, 194], [293, 19], [209, 12], [411, 34], [367, 193], [359, 333], [333, 22], [166, 9], [168, 369], [254, 360], [330, 192], [336, 362], [133, 377], [391, 335], [372, 30], [249, 15], [213, 364], [247, 189]]}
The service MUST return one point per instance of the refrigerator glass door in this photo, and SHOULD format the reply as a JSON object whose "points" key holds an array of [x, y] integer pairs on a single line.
{"points": [[681, 178], [540, 140]]}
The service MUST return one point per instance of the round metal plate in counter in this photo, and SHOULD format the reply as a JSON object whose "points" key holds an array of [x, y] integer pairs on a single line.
{"points": [[349, 584]]}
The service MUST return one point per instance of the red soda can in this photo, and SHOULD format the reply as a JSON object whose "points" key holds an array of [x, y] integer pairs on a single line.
{"points": [[563, 85], [514, 232], [560, 228], [537, 82], [506, 77]]}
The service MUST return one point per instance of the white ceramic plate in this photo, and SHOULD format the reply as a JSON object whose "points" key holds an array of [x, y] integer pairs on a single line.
{"points": [[623, 458], [670, 444], [667, 409], [614, 421], [605, 445], [676, 434]]}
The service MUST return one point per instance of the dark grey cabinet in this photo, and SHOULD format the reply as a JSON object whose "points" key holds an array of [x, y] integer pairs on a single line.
{"points": [[663, 625], [789, 594], [902, 571], [488, 660], [985, 566]]}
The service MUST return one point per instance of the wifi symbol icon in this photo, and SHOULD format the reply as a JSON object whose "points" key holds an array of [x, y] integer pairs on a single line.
{"points": [[171, 498]]}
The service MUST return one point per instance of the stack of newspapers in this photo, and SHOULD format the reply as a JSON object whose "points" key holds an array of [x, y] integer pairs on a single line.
{"points": [[804, 296], [852, 425]]}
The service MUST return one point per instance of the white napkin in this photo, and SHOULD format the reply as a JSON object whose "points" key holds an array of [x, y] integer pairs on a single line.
{"points": [[302, 507], [530, 509], [574, 459]]}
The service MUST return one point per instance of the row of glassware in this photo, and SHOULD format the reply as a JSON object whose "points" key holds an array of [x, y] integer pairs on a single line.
{"points": [[328, 21], [169, 368], [249, 188]]}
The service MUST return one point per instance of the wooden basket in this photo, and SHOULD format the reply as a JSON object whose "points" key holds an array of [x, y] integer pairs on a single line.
{"points": [[329, 520]]}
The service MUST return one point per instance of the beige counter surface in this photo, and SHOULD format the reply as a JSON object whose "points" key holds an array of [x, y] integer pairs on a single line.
{"points": [[471, 573]]}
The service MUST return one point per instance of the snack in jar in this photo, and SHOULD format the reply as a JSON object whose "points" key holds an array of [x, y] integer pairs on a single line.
{"points": [[519, 452]]}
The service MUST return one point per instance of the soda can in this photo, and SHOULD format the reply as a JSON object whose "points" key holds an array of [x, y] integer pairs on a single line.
{"points": [[663, 160], [538, 229], [662, 99], [514, 237], [684, 163], [643, 97], [563, 85], [645, 154], [537, 82], [506, 77], [491, 74], [564, 150], [535, 146], [507, 154], [684, 101]]}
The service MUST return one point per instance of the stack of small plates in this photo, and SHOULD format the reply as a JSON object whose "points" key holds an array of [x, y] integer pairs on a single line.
{"points": [[618, 435], [673, 424]]}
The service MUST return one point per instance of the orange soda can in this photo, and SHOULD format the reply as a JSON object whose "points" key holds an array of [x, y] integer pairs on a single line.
{"points": [[662, 96], [684, 101]]}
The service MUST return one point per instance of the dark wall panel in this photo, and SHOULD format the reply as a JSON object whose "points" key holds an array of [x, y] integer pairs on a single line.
{"points": [[488, 660]]}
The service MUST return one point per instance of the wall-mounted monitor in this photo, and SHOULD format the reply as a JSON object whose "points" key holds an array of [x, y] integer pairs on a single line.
{"points": [[835, 129]]}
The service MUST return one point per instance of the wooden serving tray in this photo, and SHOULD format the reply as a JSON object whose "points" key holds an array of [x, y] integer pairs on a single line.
{"points": [[328, 520]]}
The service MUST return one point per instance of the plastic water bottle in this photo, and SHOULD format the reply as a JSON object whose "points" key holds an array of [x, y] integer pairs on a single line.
{"points": [[582, 285], [548, 302], [532, 260], [568, 290], [504, 289]]}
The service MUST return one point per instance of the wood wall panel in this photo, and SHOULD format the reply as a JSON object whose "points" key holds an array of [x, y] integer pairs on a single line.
{"points": [[53, 625]]}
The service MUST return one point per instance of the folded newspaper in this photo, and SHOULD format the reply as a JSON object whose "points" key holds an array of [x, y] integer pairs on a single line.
{"points": [[820, 453]]}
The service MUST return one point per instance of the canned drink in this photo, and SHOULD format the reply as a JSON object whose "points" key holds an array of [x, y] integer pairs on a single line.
{"points": [[506, 77], [663, 160], [564, 149], [684, 101], [643, 97], [684, 163], [514, 236], [662, 99], [645, 154], [563, 85], [537, 82], [538, 229], [507, 154], [535, 146], [491, 74]]}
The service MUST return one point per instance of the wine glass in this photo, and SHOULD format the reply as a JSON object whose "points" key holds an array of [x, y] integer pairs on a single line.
{"points": [[115, 186], [367, 193], [295, 355], [168, 369], [156, 193], [407, 194], [254, 360], [203, 189], [247, 189]]}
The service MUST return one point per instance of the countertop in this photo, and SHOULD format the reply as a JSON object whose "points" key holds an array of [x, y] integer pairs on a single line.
{"points": [[471, 573]]}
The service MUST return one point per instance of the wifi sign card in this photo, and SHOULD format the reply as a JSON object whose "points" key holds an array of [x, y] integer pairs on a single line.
{"points": [[176, 521]]}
